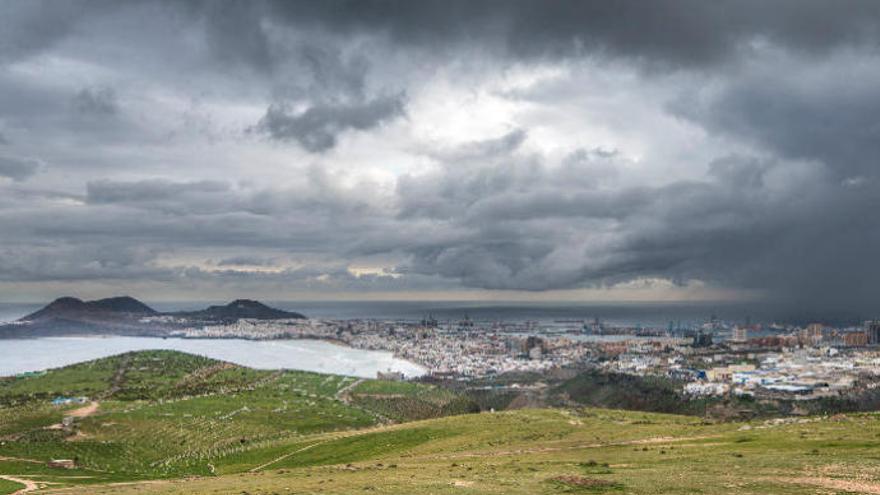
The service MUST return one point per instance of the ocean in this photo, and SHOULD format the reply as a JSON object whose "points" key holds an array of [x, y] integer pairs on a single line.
{"points": [[20, 355], [657, 315]]}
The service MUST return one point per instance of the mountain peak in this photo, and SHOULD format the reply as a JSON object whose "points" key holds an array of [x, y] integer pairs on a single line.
{"points": [[77, 309], [243, 308], [66, 301], [124, 304], [246, 303]]}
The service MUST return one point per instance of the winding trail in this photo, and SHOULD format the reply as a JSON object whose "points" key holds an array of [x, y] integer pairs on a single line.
{"points": [[20, 459], [342, 393], [285, 456], [118, 378]]}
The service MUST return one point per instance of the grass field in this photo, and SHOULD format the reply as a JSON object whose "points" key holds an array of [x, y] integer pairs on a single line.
{"points": [[557, 451], [211, 428], [7, 487], [167, 414], [404, 401]]}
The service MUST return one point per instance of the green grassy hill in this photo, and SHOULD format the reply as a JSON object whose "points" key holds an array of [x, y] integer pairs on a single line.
{"points": [[176, 424], [168, 414]]}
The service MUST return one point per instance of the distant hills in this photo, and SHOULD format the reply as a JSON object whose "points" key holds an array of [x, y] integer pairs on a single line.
{"points": [[240, 308], [71, 308], [125, 315]]}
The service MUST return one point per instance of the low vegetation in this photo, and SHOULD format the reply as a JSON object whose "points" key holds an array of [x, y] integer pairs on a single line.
{"points": [[7, 487], [212, 428], [168, 414], [403, 401]]}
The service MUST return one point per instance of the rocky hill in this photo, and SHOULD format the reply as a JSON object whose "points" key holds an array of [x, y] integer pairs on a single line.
{"points": [[71, 308], [126, 315], [241, 308]]}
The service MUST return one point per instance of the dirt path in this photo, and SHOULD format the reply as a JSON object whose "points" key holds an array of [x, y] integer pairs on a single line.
{"points": [[87, 489], [341, 435], [20, 459], [78, 413], [84, 411], [285, 456], [118, 377], [342, 394], [337, 435], [29, 485]]}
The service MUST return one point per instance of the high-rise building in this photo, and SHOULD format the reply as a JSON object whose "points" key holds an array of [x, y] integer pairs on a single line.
{"points": [[740, 334], [812, 335], [855, 339], [872, 328], [814, 330], [702, 339]]}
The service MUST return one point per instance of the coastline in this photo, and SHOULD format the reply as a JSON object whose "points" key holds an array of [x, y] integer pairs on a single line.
{"points": [[306, 354]]}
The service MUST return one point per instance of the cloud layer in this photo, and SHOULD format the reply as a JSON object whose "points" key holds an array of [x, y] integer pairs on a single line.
{"points": [[302, 148]]}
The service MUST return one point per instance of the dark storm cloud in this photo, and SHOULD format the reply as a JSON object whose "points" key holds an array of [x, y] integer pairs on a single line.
{"points": [[28, 27], [234, 30], [318, 197], [96, 101], [318, 127], [18, 169], [164, 99], [481, 174], [677, 32], [522, 223], [79, 262], [668, 33], [817, 116]]}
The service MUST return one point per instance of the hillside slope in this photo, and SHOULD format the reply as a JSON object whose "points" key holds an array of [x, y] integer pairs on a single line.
{"points": [[71, 308], [241, 308], [166, 414], [556, 451], [126, 315], [172, 423]]}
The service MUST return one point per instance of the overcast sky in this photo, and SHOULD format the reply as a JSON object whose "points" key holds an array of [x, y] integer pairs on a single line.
{"points": [[475, 149]]}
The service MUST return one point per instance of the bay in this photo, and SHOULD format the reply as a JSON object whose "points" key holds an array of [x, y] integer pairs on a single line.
{"points": [[20, 355]]}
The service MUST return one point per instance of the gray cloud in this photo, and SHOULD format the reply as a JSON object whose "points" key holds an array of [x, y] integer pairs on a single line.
{"points": [[480, 149], [28, 27], [18, 169], [541, 145], [96, 101], [684, 33], [77, 262], [679, 33], [106, 191], [317, 128], [819, 116], [247, 260]]}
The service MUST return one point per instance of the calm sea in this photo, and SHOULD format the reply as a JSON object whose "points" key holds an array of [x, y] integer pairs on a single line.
{"points": [[20, 355], [659, 315]]}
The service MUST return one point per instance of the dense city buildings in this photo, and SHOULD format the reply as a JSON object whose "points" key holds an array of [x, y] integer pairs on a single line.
{"points": [[872, 329], [716, 359]]}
